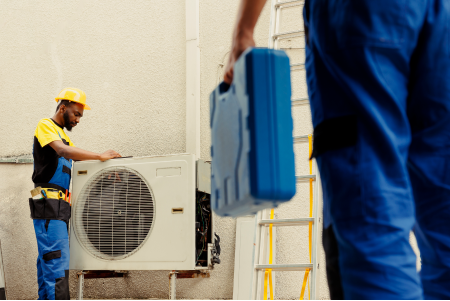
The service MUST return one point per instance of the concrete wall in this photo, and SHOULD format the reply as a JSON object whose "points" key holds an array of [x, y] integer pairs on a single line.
{"points": [[129, 57]]}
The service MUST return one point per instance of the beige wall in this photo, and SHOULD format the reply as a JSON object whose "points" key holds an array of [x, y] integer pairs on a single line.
{"points": [[129, 57]]}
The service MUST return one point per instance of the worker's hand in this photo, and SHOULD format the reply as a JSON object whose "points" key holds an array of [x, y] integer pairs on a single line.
{"points": [[241, 41], [109, 154]]}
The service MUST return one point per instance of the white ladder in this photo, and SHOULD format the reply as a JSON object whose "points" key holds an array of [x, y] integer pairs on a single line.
{"points": [[262, 260]]}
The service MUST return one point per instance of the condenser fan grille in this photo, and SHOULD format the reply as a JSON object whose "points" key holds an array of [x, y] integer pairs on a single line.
{"points": [[114, 213]]}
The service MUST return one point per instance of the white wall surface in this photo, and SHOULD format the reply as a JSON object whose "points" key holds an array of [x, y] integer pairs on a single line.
{"points": [[130, 59]]}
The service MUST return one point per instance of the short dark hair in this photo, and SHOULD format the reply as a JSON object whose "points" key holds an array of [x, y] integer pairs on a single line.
{"points": [[65, 102]]}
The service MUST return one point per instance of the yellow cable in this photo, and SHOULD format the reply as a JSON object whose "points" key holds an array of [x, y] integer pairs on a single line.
{"points": [[268, 273], [270, 284], [271, 254], [311, 204], [270, 237], [309, 291], [304, 284], [310, 215], [310, 153], [268, 276], [305, 278]]}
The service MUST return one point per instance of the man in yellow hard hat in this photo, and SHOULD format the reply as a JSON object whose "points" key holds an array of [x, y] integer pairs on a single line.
{"points": [[53, 152]]}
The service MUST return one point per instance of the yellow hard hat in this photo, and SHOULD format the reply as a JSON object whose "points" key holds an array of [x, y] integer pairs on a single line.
{"points": [[75, 95]]}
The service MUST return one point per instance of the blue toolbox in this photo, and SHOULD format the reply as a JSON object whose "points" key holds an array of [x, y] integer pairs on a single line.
{"points": [[252, 148]]}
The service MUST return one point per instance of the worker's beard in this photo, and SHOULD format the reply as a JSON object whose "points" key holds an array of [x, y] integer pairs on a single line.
{"points": [[67, 123]]}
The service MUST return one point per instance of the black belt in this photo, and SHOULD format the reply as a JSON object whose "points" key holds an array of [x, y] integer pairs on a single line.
{"points": [[50, 185]]}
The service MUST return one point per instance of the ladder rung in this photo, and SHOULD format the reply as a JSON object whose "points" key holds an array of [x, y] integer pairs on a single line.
{"points": [[305, 178], [300, 101], [298, 139], [299, 66], [289, 34], [285, 267], [287, 222], [289, 3]]}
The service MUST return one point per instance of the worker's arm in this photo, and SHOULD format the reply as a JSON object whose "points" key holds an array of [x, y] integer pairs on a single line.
{"points": [[78, 154], [248, 14]]}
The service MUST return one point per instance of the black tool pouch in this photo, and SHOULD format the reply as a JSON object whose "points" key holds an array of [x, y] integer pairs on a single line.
{"points": [[50, 209]]}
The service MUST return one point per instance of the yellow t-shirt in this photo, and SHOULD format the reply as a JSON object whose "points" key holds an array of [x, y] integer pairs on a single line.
{"points": [[47, 131], [45, 157]]}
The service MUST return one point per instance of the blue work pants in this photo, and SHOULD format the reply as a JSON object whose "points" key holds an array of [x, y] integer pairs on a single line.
{"points": [[378, 75], [53, 259]]}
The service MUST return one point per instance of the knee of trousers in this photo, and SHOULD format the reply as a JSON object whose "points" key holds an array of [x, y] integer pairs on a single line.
{"points": [[377, 261], [56, 274], [53, 262]]}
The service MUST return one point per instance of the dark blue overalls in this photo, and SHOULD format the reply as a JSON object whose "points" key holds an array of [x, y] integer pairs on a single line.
{"points": [[378, 75], [51, 217]]}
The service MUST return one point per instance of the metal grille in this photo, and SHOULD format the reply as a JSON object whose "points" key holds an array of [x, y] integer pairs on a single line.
{"points": [[114, 213]]}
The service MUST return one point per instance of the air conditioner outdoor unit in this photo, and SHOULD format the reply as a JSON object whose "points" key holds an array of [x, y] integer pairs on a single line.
{"points": [[138, 214]]}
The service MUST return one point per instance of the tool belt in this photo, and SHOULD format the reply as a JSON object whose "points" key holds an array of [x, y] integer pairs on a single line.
{"points": [[52, 206]]}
